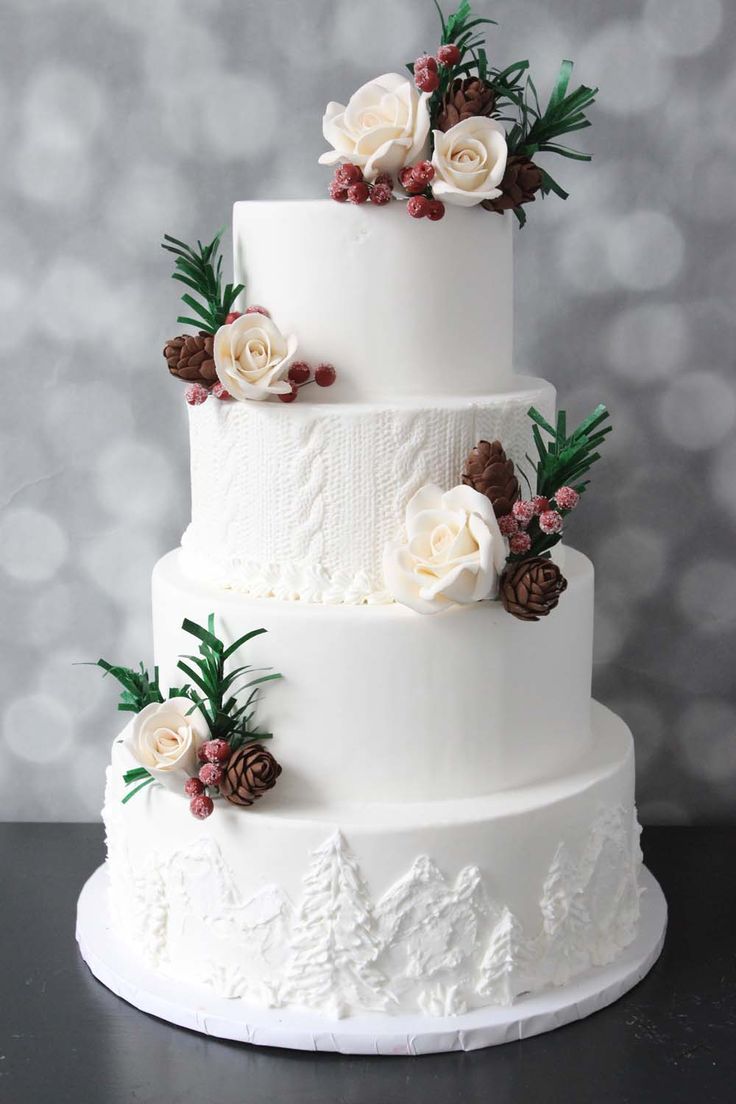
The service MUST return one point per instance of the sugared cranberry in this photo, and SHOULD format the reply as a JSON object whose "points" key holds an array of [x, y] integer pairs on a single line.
{"points": [[426, 61], [232, 316], [384, 178], [289, 396], [219, 391], [520, 543], [338, 191], [381, 195], [418, 206], [348, 174], [409, 182], [436, 210], [523, 511], [567, 498], [550, 522], [215, 751], [201, 806], [325, 375], [449, 54], [299, 372], [193, 787], [210, 774], [423, 173], [508, 525], [358, 193], [255, 309], [196, 394], [426, 80], [540, 504]]}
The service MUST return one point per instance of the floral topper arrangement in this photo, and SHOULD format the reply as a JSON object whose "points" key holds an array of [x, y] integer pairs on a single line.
{"points": [[458, 131], [200, 740], [482, 540], [235, 355]]}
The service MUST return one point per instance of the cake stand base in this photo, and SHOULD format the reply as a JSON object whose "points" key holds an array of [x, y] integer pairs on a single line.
{"points": [[117, 967]]}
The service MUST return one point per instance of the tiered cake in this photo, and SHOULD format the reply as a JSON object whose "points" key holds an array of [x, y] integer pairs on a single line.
{"points": [[446, 824]]}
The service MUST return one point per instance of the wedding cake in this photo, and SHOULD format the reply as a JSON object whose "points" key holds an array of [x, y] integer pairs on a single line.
{"points": [[373, 575]]}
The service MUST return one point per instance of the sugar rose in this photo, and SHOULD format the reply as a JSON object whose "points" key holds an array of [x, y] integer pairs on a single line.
{"points": [[384, 126], [469, 161], [252, 357], [454, 551], [164, 738]]}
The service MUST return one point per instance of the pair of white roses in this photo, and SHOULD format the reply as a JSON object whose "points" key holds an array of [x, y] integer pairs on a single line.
{"points": [[385, 126]]}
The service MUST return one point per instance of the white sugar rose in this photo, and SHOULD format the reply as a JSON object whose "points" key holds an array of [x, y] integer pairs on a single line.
{"points": [[252, 357], [454, 551], [164, 738], [384, 127], [469, 161]]}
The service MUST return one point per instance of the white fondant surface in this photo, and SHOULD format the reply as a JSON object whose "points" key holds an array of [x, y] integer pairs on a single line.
{"points": [[380, 704], [299, 501], [400, 306], [349, 907], [118, 967]]}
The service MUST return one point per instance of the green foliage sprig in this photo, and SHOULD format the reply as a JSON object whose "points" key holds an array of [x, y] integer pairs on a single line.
{"points": [[201, 270], [216, 689]]}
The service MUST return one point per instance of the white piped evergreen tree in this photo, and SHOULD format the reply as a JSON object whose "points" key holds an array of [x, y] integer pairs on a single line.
{"points": [[502, 965]]}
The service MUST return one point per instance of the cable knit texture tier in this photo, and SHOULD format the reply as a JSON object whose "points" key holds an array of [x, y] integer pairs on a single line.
{"points": [[299, 501]]}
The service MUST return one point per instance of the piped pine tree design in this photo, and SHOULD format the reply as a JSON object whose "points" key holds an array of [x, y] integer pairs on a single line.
{"points": [[502, 965], [566, 920], [334, 946]]}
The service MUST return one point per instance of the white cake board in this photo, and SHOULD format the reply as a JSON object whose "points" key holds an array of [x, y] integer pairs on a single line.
{"points": [[117, 967]]}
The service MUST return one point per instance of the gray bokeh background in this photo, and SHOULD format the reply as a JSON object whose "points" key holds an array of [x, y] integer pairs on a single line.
{"points": [[122, 119]]}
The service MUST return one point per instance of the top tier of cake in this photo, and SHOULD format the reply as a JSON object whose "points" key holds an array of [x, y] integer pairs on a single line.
{"points": [[401, 307]]}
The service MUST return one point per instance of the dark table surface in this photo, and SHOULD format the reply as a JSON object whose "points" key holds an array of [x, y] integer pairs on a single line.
{"points": [[64, 1037]]}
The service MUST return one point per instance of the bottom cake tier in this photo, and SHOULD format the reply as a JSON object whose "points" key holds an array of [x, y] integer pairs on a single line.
{"points": [[431, 907]]}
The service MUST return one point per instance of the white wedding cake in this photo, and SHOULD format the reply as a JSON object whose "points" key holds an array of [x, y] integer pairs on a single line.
{"points": [[444, 819]]}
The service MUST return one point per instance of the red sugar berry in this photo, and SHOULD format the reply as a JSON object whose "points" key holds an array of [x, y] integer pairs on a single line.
{"points": [[508, 525], [325, 375], [201, 753], [219, 391], [348, 173], [384, 178], [427, 80], [201, 806], [418, 206], [299, 372], [193, 787], [523, 511], [289, 396], [358, 193], [550, 522], [540, 504], [449, 54], [436, 210], [381, 194], [520, 542], [232, 316], [255, 309], [423, 173], [426, 61], [215, 751], [196, 393], [210, 774], [338, 191], [567, 498]]}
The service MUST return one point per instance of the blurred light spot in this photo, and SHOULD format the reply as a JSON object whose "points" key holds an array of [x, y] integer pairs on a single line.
{"points": [[644, 718], [723, 479], [647, 250], [63, 109], [698, 410], [80, 688], [58, 177], [681, 28], [49, 615], [648, 342], [22, 464], [612, 625], [32, 545], [38, 729], [78, 294], [646, 548], [15, 322], [359, 31], [707, 737], [120, 563], [135, 481], [79, 416], [250, 126], [621, 62], [145, 202], [583, 251], [707, 595]]}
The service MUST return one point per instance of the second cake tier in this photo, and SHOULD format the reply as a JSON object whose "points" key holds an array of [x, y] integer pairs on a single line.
{"points": [[379, 704]]}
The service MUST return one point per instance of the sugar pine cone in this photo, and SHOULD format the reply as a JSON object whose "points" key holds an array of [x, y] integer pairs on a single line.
{"points": [[250, 772], [489, 471], [521, 180], [531, 589], [464, 99], [191, 358]]}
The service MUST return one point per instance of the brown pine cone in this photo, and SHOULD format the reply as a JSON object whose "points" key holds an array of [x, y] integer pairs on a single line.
{"points": [[487, 470], [464, 99], [250, 772], [531, 589], [191, 358], [521, 181]]}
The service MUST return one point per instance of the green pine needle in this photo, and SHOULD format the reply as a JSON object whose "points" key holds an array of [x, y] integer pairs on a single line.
{"points": [[200, 270]]}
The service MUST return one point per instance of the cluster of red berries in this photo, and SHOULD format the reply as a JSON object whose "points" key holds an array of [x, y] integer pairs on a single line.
{"points": [[349, 186], [426, 68], [416, 179], [300, 374], [197, 393], [213, 755], [549, 513]]}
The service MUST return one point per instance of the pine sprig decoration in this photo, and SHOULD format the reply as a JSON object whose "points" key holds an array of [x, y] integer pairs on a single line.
{"points": [[139, 688], [216, 690], [201, 270]]}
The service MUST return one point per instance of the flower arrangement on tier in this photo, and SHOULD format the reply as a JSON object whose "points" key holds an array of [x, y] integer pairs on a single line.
{"points": [[482, 540], [198, 741], [457, 131], [239, 355]]}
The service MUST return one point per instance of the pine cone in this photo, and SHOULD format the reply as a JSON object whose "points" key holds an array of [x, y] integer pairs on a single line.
{"points": [[487, 470], [250, 772], [464, 99], [520, 182], [531, 589], [191, 358]]}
